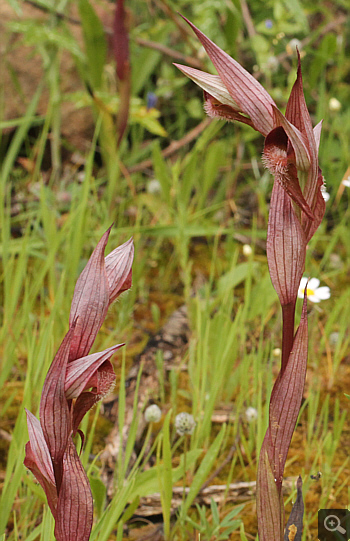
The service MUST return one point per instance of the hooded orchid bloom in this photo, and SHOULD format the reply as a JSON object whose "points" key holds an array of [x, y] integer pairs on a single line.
{"points": [[290, 153], [296, 209], [291, 145], [74, 383]]}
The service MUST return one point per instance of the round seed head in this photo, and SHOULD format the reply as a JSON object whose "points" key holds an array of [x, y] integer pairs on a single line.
{"points": [[184, 423], [153, 414]]}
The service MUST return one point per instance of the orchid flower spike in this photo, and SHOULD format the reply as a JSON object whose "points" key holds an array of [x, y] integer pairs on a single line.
{"points": [[291, 144], [74, 383]]}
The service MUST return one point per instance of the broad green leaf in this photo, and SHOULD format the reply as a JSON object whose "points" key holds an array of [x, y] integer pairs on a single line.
{"points": [[147, 482], [165, 476], [131, 510], [235, 276], [95, 42], [47, 525], [148, 119], [204, 469], [98, 489], [162, 172]]}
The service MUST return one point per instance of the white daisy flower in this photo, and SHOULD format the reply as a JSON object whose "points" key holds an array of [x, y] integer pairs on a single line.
{"points": [[314, 293], [346, 182]]}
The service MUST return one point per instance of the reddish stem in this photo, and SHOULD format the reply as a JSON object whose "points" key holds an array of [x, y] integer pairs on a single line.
{"points": [[288, 316]]}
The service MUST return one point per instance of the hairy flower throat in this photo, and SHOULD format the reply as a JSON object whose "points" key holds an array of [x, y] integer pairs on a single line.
{"points": [[275, 160]]}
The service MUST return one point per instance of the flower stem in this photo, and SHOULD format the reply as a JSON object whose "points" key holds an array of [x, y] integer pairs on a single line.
{"points": [[288, 316]]}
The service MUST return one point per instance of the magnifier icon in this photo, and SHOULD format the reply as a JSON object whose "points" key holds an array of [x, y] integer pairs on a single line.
{"points": [[332, 524]]}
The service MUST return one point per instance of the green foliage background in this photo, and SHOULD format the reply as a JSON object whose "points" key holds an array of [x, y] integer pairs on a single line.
{"points": [[190, 211]]}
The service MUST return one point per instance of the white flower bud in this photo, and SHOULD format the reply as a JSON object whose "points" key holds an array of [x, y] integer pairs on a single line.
{"points": [[247, 250], [334, 338], [153, 414], [334, 105], [154, 186], [251, 414]]}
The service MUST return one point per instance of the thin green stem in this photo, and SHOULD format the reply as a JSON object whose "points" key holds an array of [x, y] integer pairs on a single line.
{"points": [[185, 471]]}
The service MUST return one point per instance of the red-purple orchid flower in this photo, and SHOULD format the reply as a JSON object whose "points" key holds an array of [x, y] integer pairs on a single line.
{"points": [[296, 210], [291, 146], [290, 153], [74, 383]]}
